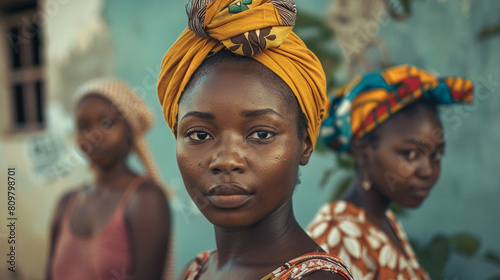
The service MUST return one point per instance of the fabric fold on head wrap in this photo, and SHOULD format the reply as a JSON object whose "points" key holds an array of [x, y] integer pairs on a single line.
{"points": [[371, 99], [261, 29]]}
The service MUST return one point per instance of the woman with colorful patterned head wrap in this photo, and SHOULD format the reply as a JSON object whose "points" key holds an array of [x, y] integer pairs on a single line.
{"points": [[389, 122], [244, 98], [98, 230]]}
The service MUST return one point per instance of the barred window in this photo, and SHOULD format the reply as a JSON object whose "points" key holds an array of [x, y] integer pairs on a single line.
{"points": [[21, 27]]}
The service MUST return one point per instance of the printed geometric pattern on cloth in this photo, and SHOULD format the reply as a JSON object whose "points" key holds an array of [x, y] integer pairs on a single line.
{"points": [[271, 21], [252, 42], [342, 229], [292, 270], [307, 264], [194, 270], [371, 99]]}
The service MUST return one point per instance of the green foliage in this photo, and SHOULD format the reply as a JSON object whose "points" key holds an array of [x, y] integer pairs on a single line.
{"points": [[344, 164], [320, 146], [342, 188], [398, 209], [492, 258], [327, 174], [343, 169], [434, 256], [465, 243], [319, 39], [406, 4], [400, 9], [489, 31], [345, 161]]}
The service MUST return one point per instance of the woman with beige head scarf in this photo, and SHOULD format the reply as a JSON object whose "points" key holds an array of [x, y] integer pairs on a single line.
{"points": [[119, 226]]}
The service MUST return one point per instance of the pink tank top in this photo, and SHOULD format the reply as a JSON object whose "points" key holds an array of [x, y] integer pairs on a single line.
{"points": [[105, 255]]}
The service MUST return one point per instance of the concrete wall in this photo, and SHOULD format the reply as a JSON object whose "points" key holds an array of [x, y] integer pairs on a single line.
{"points": [[77, 48]]}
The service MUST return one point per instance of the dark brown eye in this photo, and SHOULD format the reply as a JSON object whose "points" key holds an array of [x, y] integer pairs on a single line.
{"points": [[198, 135], [412, 155], [437, 156], [107, 123], [262, 134], [82, 128]]}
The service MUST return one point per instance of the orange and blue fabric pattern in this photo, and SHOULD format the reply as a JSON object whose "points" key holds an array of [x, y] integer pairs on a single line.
{"points": [[295, 269], [261, 29], [371, 99]]}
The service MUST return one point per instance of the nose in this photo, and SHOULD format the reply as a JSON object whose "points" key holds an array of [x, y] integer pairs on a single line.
{"points": [[425, 168], [228, 156], [94, 136]]}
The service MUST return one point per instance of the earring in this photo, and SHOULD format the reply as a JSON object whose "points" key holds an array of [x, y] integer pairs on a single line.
{"points": [[366, 184]]}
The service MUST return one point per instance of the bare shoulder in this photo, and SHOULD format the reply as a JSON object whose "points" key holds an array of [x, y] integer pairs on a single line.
{"points": [[63, 203], [149, 206], [324, 275], [148, 219], [149, 193]]}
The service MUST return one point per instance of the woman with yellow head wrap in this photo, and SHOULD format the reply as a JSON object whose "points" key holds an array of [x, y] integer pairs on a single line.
{"points": [[244, 98], [388, 121]]}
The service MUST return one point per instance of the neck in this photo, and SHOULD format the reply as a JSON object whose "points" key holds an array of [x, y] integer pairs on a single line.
{"points": [[264, 244], [374, 203], [111, 175]]}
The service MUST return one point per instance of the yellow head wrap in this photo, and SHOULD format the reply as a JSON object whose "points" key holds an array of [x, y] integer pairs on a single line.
{"points": [[261, 29]]}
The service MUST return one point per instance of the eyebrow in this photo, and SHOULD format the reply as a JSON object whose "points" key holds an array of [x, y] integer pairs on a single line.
{"points": [[422, 144], [201, 115], [256, 113]]}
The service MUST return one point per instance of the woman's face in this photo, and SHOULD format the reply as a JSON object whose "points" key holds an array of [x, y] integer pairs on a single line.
{"points": [[406, 162], [102, 134], [237, 145]]}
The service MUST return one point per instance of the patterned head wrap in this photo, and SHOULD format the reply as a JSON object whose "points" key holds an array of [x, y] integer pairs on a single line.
{"points": [[371, 99], [261, 29], [134, 112]]}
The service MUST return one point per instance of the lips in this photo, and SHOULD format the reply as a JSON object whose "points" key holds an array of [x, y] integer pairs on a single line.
{"points": [[420, 192], [228, 196], [95, 153]]}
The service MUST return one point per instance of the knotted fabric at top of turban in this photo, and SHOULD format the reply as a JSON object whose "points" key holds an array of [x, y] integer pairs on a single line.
{"points": [[371, 99], [261, 29]]}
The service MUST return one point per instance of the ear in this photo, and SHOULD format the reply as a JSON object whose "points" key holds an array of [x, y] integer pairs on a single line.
{"points": [[361, 150], [129, 137], [307, 149]]}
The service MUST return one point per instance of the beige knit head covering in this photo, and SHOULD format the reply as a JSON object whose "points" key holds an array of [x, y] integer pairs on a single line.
{"points": [[134, 112]]}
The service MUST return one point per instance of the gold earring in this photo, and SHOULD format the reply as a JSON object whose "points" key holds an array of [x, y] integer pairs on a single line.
{"points": [[366, 184]]}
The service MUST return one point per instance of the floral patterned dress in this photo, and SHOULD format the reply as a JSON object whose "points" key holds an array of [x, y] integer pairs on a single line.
{"points": [[292, 270], [342, 229]]}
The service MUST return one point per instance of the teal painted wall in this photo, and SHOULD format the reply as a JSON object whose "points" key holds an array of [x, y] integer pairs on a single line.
{"points": [[438, 37]]}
